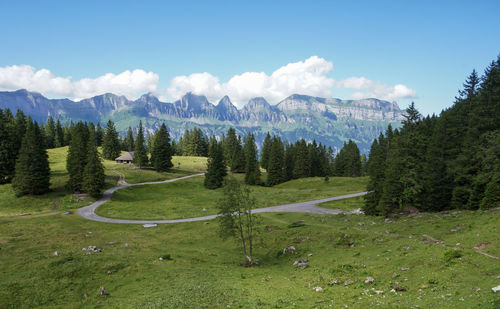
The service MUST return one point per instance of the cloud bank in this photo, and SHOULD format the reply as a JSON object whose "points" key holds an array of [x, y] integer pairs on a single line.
{"points": [[305, 77], [128, 83], [309, 77]]}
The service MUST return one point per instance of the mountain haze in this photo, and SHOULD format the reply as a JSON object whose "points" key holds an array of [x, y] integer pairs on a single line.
{"points": [[327, 120]]}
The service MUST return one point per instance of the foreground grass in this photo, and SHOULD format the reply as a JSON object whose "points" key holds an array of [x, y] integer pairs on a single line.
{"points": [[347, 204], [60, 199], [189, 198], [204, 271]]}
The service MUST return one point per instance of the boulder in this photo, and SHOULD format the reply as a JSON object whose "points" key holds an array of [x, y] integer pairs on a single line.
{"points": [[102, 291], [318, 289], [369, 280], [290, 249], [302, 265], [496, 288]]}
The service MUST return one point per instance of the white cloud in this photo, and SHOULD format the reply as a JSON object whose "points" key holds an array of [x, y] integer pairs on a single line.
{"points": [[309, 77], [305, 77], [374, 89], [128, 83]]}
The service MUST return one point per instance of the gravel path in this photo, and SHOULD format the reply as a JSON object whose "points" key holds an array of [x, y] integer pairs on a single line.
{"points": [[88, 212]]}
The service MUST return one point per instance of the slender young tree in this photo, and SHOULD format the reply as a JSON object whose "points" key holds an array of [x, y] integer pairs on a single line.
{"points": [[161, 154], [93, 173], [252, 170], [236, 218], [111, 143], [32, 174], [140, 153]]}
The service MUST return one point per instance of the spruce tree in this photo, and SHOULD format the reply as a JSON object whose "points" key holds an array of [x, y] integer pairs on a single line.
{"points": [[275, 171], [77, 157], [4, 149], [32, 175], [93, 174], [252, 170], [129, 140], [216, 169], [140, 153], [50, 129], [111, 143], [99, 134], [301, 167], [59, 138], [161, 154], [266, 149]]}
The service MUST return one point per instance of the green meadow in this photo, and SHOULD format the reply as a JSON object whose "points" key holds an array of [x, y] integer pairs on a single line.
{"points": [[430, 257]]}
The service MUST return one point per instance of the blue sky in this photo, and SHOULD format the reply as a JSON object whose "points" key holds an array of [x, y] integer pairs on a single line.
{"points": [[362, 48]]}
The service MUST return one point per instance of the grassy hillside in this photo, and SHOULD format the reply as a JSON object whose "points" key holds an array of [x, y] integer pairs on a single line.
{"points": [[204, 271], [61, 199], [431, 256], [189, 198]]}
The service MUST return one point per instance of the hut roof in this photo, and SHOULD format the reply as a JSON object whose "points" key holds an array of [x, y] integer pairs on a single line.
{"points": [[129, 156]]}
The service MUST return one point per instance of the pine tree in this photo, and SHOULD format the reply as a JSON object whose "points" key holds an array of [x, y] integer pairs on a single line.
{"points": [[252, 170], [275, 172], [492, 193], [99, 134], [59, 138], [266, 149], [233, 151], [129, 140], [32, 174], [77, 157], [216, 169], [50, 129], [111, 143], [4, 150], [140, 153], [161, 154], [289, 162], [301, 167], [93, 173]]}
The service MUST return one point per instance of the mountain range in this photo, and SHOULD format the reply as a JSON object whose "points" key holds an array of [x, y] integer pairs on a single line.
{"points": [[327, 120]]}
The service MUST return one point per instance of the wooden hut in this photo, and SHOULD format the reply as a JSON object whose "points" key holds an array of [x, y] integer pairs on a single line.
{"points": [[125, 158]]}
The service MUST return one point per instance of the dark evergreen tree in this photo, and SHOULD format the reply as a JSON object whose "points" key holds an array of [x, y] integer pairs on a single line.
{"points": [[216, 168], [129, 140], [32, 173], [252, 170], [161, 154], [140, 153], [266, 149], [50, 131], [275, 171], [99, 134], [110, 143], [77, 157], [289, 162], [301, 167], [93, 173], [59, 138]]}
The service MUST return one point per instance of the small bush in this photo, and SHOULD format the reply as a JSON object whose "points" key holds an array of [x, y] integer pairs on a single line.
{"points": [[451, 255], [166, 257]]}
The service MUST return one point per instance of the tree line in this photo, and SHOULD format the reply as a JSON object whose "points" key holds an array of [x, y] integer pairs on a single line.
{"points": [[282, 161], [436, 163]]}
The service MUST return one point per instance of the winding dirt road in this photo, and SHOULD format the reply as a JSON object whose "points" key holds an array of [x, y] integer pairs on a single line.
{"points": [[88, 212]]}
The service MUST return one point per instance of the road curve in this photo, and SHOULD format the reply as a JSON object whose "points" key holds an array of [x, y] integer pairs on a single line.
{"points": [[88, 212]]}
